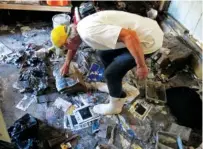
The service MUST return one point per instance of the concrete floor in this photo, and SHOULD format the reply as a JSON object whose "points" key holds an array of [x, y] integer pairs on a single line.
{"points": [[16, 41], [12, 40], [9, 74], [10, 97]]}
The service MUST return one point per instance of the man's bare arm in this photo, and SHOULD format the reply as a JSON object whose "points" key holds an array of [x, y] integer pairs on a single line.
{"points": [[69, 56], [72, 49], [131, 40]]}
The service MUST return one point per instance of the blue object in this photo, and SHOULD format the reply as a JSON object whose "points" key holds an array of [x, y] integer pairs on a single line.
{"points": [[180, 144], [95, 126], [96, 73], [63, 82], [131, 133]]}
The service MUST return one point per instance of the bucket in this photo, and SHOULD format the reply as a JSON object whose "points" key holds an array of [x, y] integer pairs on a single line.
{"points": [[61, 19]]}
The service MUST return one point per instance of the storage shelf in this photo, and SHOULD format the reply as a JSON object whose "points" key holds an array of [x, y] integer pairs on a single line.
{"points": [[35, 7]]}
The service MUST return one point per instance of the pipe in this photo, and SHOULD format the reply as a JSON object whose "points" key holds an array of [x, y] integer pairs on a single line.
{"points": [[76, 16], [162, 2]]}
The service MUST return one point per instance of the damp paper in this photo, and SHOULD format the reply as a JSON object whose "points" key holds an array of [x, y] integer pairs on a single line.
{"points": [[26, 102]]}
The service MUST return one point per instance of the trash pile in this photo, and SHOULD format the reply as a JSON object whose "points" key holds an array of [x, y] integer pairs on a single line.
{"points": [[71, 84], [28, 132], [34, 76], [24, 132], [159, 115], [85, 57], [34, 72]]}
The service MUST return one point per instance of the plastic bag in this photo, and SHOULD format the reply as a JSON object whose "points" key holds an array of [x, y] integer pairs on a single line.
{"points": [[24, 132]]}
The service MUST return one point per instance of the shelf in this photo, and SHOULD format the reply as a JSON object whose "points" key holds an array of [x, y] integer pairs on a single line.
{"points": [[35, 7]]}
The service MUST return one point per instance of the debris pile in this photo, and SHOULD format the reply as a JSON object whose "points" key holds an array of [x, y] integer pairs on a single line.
{"points": [[174, 57], [71, 84], [34, 71], [24, 132], [85, 57], [34, 76], [161, 116], [28, 132]]}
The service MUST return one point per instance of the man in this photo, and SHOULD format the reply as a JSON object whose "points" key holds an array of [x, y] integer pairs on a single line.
{"points": [[122, 41]]}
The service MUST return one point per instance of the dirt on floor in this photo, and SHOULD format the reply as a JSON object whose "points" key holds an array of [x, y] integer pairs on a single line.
{"points": [[130, 131]]}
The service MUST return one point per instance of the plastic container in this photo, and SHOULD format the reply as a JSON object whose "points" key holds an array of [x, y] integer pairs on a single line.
{"points": [[166, 140], [61, 19], [58, 2], [141, 87], [155, 92]]}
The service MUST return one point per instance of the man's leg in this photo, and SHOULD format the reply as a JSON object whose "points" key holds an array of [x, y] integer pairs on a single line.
{"points": [[114, 73], [107, 56]]}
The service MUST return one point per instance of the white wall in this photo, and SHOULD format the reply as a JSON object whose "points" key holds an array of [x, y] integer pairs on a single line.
{"points": [[189, 14]]}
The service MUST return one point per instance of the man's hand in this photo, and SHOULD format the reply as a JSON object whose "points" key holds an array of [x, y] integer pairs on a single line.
{"points": [[64, 69], [142, 72], [132, 42]]}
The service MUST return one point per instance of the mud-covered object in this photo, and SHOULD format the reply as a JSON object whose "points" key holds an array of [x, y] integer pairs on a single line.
{"points": [[137, 7], [84, 58], [15, 58], [185, 104], [24, 132], [1, 89], [6, 145], [176, 60], [86, 8], [73, 83], [21, 57], [34, 76], [96, 73]]}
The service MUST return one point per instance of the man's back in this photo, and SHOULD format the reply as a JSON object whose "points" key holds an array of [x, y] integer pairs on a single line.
{"points": [[100, 30]]}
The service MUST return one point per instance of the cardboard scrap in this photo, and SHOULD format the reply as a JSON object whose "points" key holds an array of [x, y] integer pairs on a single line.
{"points": [[131, 92], [125, 125], [4, 50], [16, 86], [104, 131], [3, 27], [73, 83], [25, 29], [111, 140], [124, 142], [140, 109], [65, 145], [61, 103], [71, 109], [70, 122], [166, 140], [135, 146], [26, 102], [183, 131]]}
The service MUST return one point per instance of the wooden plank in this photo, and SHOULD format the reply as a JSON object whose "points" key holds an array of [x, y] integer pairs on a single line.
{"points": [[4, 133], [35, 7]]}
